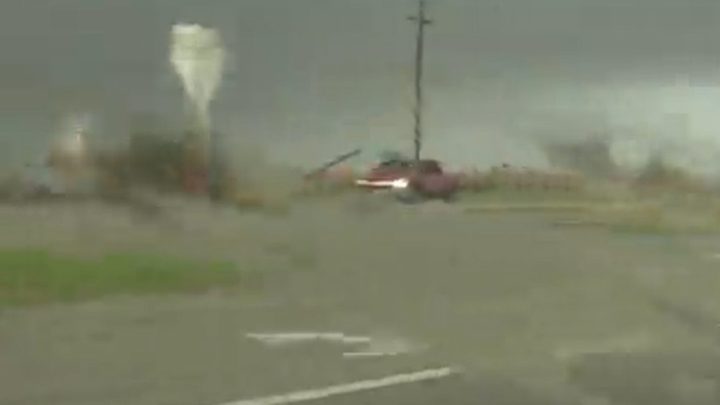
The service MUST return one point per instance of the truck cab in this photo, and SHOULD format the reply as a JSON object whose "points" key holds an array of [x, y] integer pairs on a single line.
{"points": [[424, 178]]}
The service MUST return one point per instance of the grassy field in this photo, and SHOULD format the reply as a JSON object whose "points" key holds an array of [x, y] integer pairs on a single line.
{"points": [[29, 276], [622, 209]]}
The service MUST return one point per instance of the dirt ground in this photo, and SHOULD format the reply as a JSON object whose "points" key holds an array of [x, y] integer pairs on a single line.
{"points": [[532, 313]]}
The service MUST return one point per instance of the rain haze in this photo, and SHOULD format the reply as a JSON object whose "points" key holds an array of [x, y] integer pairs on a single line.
{"points": [[308, 79], [169, 234]]}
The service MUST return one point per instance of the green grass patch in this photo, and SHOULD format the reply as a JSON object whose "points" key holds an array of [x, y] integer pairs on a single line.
{"points": [[33, 276]]}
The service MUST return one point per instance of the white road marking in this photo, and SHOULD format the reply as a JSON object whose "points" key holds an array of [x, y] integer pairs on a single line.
{"points": [[364, 385], [369, 354], [299, 337], [365, 346]]}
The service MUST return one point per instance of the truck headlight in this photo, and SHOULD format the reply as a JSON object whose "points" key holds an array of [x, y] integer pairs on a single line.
{"points": [[400, 183]]}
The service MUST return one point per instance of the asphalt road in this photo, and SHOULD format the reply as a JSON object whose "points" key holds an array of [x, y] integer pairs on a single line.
{"points": [[531, 313]]}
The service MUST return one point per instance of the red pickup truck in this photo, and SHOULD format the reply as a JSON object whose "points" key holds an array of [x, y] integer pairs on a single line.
{"points": [[414, 180]]}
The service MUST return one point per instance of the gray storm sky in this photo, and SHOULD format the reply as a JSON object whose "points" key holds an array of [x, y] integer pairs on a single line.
{"points": [[311, 78]]}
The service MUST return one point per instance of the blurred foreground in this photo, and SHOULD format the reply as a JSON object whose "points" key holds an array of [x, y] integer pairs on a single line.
{"points": [[533, 313]]}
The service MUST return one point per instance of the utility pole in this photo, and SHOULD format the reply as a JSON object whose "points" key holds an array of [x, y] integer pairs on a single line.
{"points": [[421, 22]]}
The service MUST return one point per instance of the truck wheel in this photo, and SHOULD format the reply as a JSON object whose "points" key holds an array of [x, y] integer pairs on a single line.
{"points": [[450, 198], [408, 197]]}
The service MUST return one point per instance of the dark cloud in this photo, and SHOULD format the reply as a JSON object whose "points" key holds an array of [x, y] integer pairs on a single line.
{"points": [[313, 77]]}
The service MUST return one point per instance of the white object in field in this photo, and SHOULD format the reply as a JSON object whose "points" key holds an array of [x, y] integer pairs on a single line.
{"points": [[198, 57], [343, 389], [73, 143], [69, 155], [69, 152]]}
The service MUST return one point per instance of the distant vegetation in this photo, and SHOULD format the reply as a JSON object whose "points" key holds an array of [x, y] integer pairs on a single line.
{"points": [[583, 178]]}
